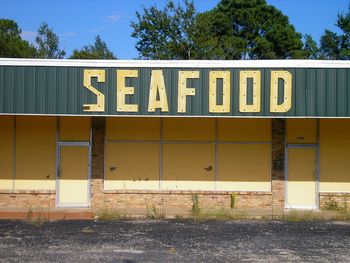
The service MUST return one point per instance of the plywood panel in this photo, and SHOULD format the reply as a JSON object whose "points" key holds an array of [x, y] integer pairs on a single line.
{"points": [[301, 185], [75, 129], [35, 153], [334, 156], [188, 129], [244, 130], [132, 129], [244, 167], [6, 152], [131, 166], [301, 131], [73, 188], [188, 167]]}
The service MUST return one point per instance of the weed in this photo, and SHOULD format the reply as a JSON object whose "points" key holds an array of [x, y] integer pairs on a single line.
{"points": [[233, 200], [196, 210], [30, 214], [223, 214], [177, 216], [331, 205], [36, 219], [153, 212], [108, 214]]}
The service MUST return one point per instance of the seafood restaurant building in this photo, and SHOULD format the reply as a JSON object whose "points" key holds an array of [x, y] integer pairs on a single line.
{"points": [[119, 134]]}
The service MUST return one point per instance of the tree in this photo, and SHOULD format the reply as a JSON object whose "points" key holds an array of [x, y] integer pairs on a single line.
{"points": [[337, 46], [11, 43], [247, 29], [48, 43], [312, 51], [98, 50], [167, 33], [234, 29]]}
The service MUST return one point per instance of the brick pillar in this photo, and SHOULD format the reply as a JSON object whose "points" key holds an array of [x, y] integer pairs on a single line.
{"points": [[278, 156], [97, 161]]}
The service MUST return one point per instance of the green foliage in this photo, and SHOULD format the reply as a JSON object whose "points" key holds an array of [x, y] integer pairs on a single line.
{"points": [[98, 50], [233, 200], [331, 205], [152, 212], [48, 43], [337, 46], [311, 48], [242, 29], [11, 43], [196, 210], [166, 33], [108, 215], [234, 29]]}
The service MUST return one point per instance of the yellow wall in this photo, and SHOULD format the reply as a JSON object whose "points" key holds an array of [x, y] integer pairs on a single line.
{"points": [[300, 131], [244, 167], [75, 129], [244, 130], [188, 129], [6, 152], [131, 166], [132, 129], [335, 155], [188, 166], [35, 153]]}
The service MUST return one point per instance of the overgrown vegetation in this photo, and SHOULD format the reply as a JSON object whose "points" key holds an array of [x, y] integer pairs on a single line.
{"points": [[36, 218], [233, 200], [108, 215], [195, 211], [152, 212]]}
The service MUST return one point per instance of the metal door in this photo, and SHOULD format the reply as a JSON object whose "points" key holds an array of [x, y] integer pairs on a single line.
{"points": [[302, 177], [73, 184]]}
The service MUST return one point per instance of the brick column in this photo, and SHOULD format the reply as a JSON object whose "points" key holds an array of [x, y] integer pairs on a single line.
{"points": [[278, 157], [97, 161]]}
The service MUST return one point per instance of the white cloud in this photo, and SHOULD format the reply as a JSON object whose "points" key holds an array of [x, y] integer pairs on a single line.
{"points": [[114, 18]]}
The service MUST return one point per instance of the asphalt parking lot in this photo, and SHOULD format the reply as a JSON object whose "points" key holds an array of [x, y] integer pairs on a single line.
{"points": [[131, 241]]}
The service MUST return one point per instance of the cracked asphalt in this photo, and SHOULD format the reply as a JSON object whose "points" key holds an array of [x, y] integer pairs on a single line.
{"points": [[130, 241]]}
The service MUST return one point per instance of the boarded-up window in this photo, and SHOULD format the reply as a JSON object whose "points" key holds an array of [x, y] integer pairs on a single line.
{"points": [[244, 130], [131, 166], [335, 155], [188, 166], [188, 129], [244, 155], [7, 127], [132, 153], [132, 129], [244, 167], [35, 153], [187, 154]]}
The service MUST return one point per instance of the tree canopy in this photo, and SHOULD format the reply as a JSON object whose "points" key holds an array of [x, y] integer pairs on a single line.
{"points": [[234, 29], [48, 43], [337, 46], [98, 50], [11, 43], [166, 33]]}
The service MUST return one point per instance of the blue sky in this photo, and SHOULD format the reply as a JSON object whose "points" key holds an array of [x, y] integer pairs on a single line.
{"points": [[77, 22]]}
